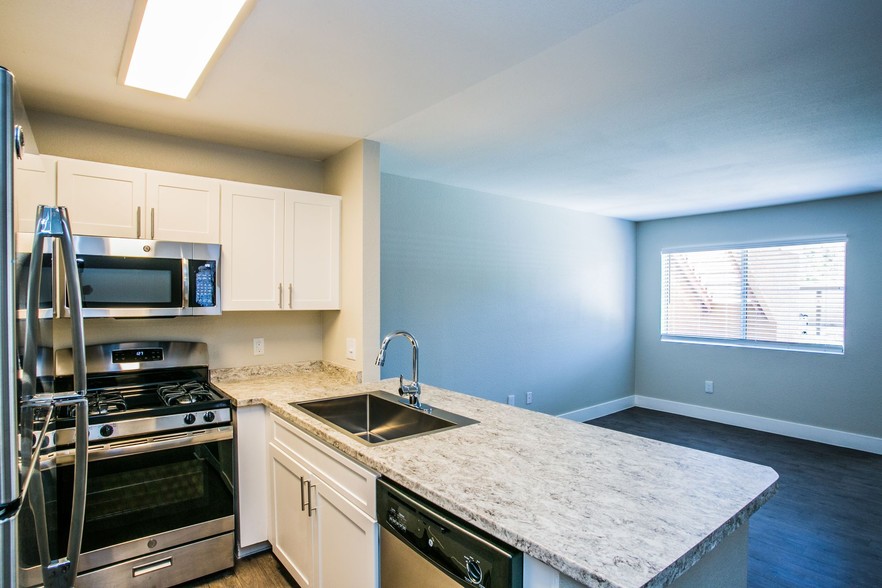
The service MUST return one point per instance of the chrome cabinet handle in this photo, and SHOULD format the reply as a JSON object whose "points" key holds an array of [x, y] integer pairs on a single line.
{"points": [[302, 500], [138, 223], [152, 223], [310, 508], [290, 295], [280, 295]]}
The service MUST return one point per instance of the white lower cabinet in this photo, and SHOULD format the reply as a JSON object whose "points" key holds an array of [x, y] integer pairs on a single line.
{"points": [[251, 479], [321, 536], [294, 534]]}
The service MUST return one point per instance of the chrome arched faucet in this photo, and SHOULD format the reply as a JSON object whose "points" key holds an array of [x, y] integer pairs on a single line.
{"points": [[412, 390]]}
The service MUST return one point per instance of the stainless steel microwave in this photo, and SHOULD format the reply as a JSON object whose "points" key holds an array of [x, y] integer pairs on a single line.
{"points": [[130, 278]]}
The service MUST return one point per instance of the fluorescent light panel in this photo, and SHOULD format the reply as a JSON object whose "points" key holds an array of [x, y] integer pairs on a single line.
{"points": [[176, 41]]}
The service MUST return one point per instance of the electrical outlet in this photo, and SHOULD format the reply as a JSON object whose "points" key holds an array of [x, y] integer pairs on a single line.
{"points": [[709, 386], [350, 347], [257, 344], [511, 399], [529, 397]]}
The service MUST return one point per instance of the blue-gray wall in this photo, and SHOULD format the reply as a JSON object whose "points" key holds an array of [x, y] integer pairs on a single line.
{"points": [[841, 392], [506, 296]]}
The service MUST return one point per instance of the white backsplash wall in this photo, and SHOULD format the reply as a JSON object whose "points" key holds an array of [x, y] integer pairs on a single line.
{"points": [[288, 336], [507, 296]]}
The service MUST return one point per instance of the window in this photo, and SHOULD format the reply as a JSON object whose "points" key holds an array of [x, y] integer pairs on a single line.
{"points": [[778, 295]]}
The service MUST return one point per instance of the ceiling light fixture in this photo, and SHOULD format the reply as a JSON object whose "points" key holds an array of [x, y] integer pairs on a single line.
{"points": [[172, 43]]}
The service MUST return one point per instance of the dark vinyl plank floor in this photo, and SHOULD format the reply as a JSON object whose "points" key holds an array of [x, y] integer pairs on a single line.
{"points": [[262, 570], [824, 525]]}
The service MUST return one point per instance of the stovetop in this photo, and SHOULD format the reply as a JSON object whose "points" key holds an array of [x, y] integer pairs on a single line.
{"points": [[117, 403], [140, 390]]}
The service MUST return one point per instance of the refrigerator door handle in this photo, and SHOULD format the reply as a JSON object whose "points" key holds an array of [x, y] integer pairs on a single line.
{"points": [[54, 222]]}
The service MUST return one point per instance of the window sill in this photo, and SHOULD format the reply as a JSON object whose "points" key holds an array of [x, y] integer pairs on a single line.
{"points": [[801, 347]]}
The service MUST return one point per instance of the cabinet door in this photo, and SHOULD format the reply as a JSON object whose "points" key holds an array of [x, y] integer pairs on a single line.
{"points": [[312, 251], [102, 199], [252, 226], [34, 185], [294, 532], [347, 541], [182, 208]]}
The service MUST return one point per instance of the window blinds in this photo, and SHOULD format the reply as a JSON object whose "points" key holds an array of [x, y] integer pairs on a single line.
{"points": [[788, 296]]}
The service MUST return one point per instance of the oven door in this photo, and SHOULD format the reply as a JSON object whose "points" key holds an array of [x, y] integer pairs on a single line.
{"points": [[144, 498]]}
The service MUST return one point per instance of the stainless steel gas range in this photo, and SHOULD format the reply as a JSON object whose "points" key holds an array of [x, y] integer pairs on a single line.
{"points": [[159, 492]]}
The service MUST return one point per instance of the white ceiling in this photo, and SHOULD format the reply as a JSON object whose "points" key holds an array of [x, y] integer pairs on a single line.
{"points": [[637, 109]]}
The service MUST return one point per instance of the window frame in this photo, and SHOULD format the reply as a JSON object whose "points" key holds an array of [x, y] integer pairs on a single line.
{"points": [[822, 348]]}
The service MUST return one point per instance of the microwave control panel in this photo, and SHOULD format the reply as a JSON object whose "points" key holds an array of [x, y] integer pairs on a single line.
{"points": [[203, 282]]}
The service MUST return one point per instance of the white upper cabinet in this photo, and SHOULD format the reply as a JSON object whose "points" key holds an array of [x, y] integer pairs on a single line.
{"points": [[102, 199], [312, 250], [34, 185], [252, 238], [281, 248], [118, 201], [182, 208]]}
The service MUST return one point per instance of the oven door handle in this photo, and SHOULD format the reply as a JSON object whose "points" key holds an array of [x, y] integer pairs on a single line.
{"points": [[137, 446]]}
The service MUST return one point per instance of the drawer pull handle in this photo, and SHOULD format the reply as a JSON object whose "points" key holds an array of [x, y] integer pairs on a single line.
{"points": [[302, 499], [152, 567], [138, 223]]}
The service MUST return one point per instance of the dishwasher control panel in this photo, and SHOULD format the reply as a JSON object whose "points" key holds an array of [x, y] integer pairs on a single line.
{"points": [[463, 552]]}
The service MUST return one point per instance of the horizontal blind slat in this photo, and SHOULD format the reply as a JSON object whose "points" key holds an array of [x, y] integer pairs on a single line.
{"points": [[793, 293]]}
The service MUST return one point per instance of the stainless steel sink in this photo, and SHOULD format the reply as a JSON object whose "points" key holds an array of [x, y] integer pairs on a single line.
{"points": [[379, 417]]}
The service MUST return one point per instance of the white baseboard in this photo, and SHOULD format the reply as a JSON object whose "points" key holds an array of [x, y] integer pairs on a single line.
{"points": [[599, 410], [726, 417], [758, 423]]}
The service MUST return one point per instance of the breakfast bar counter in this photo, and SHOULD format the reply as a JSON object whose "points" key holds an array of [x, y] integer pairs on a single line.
{"points": [[601, 507]]}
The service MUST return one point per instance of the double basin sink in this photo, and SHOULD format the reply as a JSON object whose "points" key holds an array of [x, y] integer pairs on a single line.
{"points": [[379, 417]]}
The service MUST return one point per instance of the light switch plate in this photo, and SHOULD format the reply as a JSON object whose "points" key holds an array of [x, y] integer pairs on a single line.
{"points": [[350, 347]]}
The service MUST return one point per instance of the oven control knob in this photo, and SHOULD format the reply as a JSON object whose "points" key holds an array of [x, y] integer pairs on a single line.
{"points": [[189, 419], [106, 430], [208, 417], [474, 573]]}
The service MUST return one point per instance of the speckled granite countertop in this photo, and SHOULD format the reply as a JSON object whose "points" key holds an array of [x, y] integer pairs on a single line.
{"points": [[603, 507]]}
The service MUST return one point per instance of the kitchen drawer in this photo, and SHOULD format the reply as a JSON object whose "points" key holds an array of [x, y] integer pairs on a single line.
{"points": [[346, 476]]}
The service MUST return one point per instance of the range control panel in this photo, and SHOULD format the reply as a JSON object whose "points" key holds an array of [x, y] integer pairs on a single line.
{"points": [[136, 355]]}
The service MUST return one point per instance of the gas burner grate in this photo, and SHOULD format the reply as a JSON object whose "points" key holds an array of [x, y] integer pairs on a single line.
{"points": [[101, 403], [106, 403], [186, 393]]}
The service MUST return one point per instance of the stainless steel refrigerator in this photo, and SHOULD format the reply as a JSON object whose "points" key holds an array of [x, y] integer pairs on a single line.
{"points": [[27, 407]]}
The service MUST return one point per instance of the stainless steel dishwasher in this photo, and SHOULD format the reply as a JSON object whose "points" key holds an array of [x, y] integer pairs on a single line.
{"points": [[423, 545]]}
